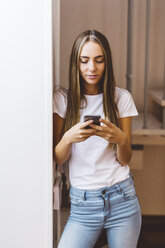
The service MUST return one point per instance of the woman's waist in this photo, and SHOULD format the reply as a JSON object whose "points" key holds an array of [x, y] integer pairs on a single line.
{"points": [[98, 179], [97, 192]]}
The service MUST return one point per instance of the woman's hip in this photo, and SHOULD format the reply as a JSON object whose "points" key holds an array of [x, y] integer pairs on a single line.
{"points": [[96, 207]]}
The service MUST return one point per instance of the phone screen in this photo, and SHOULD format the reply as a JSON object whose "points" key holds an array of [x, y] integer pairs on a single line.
{"points": [[95, 119]]}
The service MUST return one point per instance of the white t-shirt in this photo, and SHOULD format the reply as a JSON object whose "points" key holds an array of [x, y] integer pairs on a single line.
{"points": [[92, 164]]}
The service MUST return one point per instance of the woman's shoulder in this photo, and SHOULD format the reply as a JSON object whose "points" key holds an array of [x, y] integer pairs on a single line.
{"points": [[60, 101], [119, 92], [122, 95], [125, 103], [60, 91]]}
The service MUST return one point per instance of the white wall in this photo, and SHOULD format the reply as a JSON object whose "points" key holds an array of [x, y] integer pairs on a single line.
{"points": [[26, 124]]}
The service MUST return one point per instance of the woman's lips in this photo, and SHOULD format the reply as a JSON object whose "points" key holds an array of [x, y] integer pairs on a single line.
{"points": [[92, 76]]}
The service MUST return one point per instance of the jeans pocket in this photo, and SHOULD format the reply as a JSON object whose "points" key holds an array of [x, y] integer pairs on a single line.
{"points": [[129, 192], [76, 200]]}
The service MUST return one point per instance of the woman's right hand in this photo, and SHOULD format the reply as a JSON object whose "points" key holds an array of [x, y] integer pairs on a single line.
{"points": [[79, 133]]}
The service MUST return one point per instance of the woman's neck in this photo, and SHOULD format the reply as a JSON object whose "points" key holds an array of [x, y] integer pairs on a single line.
{"points": [[92, 89]]}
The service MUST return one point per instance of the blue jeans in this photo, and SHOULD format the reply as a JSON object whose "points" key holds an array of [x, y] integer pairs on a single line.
{"points": [[114, 208]]}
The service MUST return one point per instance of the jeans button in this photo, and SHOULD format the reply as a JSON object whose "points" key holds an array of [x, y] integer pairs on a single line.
{"points": [[103, 192]]}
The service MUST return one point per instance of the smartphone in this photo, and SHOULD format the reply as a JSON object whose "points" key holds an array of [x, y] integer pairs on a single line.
{"points": [[95, 119]]}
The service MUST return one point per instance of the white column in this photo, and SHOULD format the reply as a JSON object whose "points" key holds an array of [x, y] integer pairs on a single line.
{"points": [[26, 124]]}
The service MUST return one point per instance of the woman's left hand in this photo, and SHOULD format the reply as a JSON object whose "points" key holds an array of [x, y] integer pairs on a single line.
{"points": [[110, 132]]}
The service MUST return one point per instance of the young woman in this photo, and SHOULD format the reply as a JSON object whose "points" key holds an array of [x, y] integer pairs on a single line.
{"points": [[102, 192]]}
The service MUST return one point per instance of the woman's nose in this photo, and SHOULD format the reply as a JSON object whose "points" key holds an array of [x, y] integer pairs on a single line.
{"points": [[92, 66]]}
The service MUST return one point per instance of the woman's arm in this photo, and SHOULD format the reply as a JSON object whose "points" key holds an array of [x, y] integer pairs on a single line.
{"points": [[63, 144], [61, 148], [118, 135], [124, 151]]}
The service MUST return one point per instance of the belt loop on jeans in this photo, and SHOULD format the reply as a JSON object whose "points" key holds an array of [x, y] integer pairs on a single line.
{"points": [[84, 195], [131, 176], [119, 189]]}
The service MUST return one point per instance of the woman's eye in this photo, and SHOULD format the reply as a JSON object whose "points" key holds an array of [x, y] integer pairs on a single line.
{"points": [[100, 60], [97, 60], [83, 60]]}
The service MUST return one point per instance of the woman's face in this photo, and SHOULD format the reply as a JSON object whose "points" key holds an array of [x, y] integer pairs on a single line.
{"points": [[92, 63]]}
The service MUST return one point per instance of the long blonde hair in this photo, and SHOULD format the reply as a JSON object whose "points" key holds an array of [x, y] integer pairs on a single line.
{"points": [[76, 92]]}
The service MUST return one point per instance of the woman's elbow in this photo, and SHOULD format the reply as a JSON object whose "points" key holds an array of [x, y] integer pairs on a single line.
{"points": [[126, 161], [58, 160]]}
